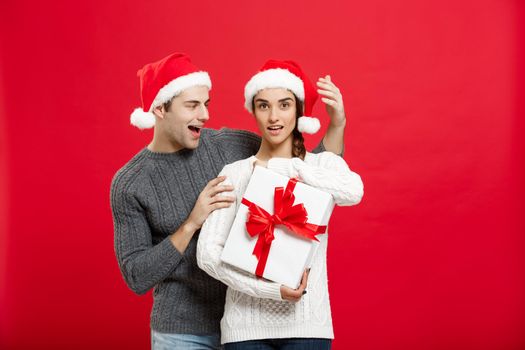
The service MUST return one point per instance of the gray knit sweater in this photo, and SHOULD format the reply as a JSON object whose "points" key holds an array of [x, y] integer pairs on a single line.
{"points": [[151, 196]]}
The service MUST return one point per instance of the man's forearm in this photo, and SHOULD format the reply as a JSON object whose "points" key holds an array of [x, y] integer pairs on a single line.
{"points": [[143, 269], [334, 138], [182, 237]]}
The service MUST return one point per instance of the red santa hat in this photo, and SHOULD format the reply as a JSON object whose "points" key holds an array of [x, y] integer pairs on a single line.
{"points": [[287, 75], [161, 81]]}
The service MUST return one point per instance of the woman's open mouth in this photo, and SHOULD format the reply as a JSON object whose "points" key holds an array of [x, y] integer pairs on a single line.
{"points": [[274, 130]]}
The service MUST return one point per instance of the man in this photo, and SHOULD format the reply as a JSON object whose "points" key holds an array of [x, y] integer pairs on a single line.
{"points": [[162, 196]]}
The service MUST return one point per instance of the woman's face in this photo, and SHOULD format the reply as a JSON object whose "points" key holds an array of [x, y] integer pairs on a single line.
{"points": [[275, 112]]}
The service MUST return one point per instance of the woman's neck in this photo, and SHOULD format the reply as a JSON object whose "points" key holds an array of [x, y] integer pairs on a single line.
{"points": [[267, 151]]}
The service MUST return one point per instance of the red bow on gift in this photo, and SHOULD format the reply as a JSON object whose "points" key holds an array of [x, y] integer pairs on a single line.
{"points": [[262, 223]]}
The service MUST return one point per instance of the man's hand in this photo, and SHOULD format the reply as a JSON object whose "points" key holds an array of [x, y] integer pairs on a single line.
{"points": [[210, 199], [295, 295]]}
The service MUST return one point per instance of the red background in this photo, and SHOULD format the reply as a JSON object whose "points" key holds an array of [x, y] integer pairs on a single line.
{"points": [[434, 256]]}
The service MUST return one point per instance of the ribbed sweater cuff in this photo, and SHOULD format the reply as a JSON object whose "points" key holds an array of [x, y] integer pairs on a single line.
{"points": [[270, 290], [283, 166], [170, 254]]}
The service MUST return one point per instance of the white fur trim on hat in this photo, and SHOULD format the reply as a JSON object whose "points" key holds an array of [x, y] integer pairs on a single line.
{"points": [[308, 125], [141, 119], [272, 78], [176, 86]]}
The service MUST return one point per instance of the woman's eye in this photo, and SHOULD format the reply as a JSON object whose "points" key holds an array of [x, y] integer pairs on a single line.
{"points": [[285, 105], [263, 106]]}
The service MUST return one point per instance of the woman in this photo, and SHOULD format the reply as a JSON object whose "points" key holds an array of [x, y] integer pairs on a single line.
{"points": [[259, 313]]}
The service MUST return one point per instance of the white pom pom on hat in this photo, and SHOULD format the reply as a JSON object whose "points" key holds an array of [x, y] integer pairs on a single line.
{"points": [[142, 120], [308, 125], [287, 75], [162, 80]]}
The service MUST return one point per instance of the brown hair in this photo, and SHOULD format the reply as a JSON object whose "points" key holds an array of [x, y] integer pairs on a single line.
{"points": [[298, 148], [167, 104]]}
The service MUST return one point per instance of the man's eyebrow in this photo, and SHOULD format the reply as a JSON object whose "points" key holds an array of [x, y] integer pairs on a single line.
{"points": [[192, 101]]}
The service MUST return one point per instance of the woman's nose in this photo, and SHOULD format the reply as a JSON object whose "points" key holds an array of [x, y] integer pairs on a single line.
{"points": [[273, 117]]}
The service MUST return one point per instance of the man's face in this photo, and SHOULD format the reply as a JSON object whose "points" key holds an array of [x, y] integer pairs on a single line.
{"points": [[181, 124]]}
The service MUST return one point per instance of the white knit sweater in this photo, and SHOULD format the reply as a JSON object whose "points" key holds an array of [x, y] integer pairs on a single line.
{"points": [[254, 308]]}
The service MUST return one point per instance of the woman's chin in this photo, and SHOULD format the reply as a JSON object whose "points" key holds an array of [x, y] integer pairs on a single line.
{"points": [[273, 140]]}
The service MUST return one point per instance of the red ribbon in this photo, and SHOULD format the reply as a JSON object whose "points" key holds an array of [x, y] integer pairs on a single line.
{"points": [[262, 223]]}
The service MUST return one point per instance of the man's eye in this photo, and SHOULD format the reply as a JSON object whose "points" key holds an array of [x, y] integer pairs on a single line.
{"points": [[192, 106]]}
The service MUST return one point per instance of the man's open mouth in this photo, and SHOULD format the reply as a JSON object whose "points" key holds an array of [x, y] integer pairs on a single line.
{"points": [[195, 129]]}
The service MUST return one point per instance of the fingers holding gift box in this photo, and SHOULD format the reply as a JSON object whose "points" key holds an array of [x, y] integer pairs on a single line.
{"points": [[294, 295]]}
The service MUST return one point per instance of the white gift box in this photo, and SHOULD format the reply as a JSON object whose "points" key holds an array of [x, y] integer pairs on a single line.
{"points": [[290, 254]]}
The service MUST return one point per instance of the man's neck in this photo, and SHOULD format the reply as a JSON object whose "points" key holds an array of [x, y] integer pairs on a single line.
{"points": [[160, 144]]}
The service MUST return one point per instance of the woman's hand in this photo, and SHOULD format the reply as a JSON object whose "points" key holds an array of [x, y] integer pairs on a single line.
{"points": [[332, 98], [294, 295]]}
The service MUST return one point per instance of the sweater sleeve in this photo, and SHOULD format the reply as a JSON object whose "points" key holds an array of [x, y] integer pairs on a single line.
{"points": [[142, 264], [211, 242], [330, 174], [236, 144], [320, 148]]}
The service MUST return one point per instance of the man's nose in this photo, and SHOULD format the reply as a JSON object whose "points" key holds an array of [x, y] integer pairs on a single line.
{"points": [[204, 114]]}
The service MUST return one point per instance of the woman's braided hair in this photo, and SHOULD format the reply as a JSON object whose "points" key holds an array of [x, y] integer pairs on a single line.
{"points": [[298, 148]]}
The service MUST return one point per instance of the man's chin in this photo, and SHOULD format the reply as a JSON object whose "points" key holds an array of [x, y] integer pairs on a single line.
{"points": [[192, 144]]}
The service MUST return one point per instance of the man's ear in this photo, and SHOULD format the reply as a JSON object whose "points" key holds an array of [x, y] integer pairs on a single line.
{"points": [[159, 111]]}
